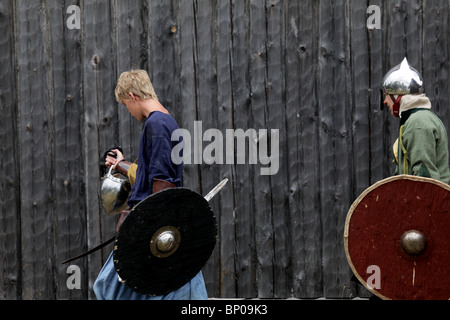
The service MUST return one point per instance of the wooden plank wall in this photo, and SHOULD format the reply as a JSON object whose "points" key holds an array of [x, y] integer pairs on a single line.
{"points": [[310, 69]]}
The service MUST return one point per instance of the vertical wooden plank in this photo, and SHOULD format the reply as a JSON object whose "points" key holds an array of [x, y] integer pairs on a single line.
{"points": [[326, 146], [244, 209], [226, 251], [188, 86], [379, 168], [163, 55], [309, 142], [436, 54], [206, 81], [10, 231], [68, 184], [276, 120], [91, 141], [35, 150], [293, 154], [360, 98], [100, 120], [301, 110], [263, 231], [344, 170], [395, 51], [175, 101], [335, 143], [414, 32], [131, 40], [361, 115]]}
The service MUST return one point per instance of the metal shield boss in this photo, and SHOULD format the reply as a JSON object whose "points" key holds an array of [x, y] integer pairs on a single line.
{"points": [[397, 239], [165, 241]]}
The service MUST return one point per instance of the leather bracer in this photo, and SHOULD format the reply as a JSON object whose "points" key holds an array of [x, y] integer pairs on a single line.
{"points": [[159, 185], [123, 167]]}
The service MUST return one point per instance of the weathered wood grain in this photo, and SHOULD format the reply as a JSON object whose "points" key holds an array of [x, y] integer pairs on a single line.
{"points": [[304, 161], [36, 150], [276, 120], [335, 164], [206, 91], [225, 256], [188, 86], [10, 224], [310, 69], [243, 188], [100, 122], [132, 52], [262, 220], [293, 132], [67, 184], [436, 68], [377, 51]]}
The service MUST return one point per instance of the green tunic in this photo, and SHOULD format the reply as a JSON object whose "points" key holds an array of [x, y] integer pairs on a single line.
{"points": [[423, 148]]}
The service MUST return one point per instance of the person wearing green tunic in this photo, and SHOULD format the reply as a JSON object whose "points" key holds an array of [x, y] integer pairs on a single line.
{"points": [[422, 146]]}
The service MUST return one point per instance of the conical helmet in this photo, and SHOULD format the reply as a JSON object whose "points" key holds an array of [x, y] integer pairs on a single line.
{"points": [[403, 79]]}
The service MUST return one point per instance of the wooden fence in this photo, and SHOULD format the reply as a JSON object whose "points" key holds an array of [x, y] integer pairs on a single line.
{"points": [[310, 69]]}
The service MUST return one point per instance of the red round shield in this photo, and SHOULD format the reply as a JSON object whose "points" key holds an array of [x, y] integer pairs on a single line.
{"points": [[397, 238]]}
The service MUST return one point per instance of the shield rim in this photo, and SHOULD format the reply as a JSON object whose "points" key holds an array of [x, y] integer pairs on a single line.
{"points": [[356, 204]]}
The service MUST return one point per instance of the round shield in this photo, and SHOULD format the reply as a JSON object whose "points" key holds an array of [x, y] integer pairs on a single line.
{"points": [[165, 241], [396, 239]]}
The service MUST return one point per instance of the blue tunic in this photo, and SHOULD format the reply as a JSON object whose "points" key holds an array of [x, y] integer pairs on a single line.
{"points": [[155, 151], [154, 163]]}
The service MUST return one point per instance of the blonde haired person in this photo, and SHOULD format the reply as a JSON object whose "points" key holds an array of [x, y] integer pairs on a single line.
{"points": [[136, 82], [154, 171]]}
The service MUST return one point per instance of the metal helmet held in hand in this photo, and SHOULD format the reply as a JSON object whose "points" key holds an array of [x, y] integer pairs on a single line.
{"points": [[114, 191]]}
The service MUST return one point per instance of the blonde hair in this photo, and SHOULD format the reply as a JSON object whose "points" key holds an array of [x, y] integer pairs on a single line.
{"points": [[136, 82]]}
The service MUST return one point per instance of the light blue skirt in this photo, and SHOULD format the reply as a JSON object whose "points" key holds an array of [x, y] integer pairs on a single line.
{"points": [[108, 287]]}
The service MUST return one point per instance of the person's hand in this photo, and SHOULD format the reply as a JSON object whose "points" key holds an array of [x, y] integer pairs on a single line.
{"points": [[113, 158]]}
